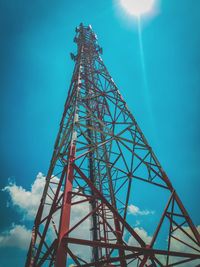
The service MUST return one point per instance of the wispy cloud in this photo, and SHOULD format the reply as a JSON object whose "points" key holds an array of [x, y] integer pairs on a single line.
{"points": [[134, 210]]}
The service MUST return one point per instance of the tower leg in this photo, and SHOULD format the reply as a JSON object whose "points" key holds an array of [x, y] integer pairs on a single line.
{"points": [[61, 257]]}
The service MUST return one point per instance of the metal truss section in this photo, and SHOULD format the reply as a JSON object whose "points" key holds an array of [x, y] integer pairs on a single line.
{"points": [[101, 163]]}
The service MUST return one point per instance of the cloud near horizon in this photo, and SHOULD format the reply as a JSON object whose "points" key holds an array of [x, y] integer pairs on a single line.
{"points": [[17, 236], [28, 201]]}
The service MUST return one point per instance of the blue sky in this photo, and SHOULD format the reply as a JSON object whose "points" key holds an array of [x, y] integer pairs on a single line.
{"points": [[36, 39]]}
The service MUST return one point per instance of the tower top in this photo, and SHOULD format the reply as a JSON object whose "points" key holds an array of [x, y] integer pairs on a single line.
{"points": [[86, 37]]}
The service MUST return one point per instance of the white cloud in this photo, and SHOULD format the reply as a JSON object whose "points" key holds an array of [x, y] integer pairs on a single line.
{"points": [[132, 242], [175, 245], [27, 201], [142, 233], [178, 246], [137, 223], [134, 210], [83, 230], [18, 236]]}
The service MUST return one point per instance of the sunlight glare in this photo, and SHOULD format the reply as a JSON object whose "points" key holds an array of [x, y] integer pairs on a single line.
{"points": [[138, 7]]}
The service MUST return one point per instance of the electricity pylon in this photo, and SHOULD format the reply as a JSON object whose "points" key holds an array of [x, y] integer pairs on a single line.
{"points": [[101, 162]]}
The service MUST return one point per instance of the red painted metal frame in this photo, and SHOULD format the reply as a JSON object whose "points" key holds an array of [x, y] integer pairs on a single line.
{"points": [[99, 152], [65, 210]]}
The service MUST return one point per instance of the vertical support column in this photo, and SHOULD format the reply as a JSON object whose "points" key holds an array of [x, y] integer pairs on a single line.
{"points": [[88, 69], [113, 201], [120, 241], [61, 257], [31, 253]]}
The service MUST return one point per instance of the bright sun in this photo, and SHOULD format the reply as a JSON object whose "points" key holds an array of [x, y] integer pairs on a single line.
{"points": [[138, 7]]}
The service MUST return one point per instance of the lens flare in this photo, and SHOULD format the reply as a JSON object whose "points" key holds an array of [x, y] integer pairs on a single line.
{"points": [[138, 7]]}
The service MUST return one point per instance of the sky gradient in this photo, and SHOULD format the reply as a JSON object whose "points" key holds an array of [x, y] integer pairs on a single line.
{"points": [[36, 40]]}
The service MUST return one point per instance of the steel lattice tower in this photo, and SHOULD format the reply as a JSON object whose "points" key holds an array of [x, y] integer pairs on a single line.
{"points": [[100, 159]]}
